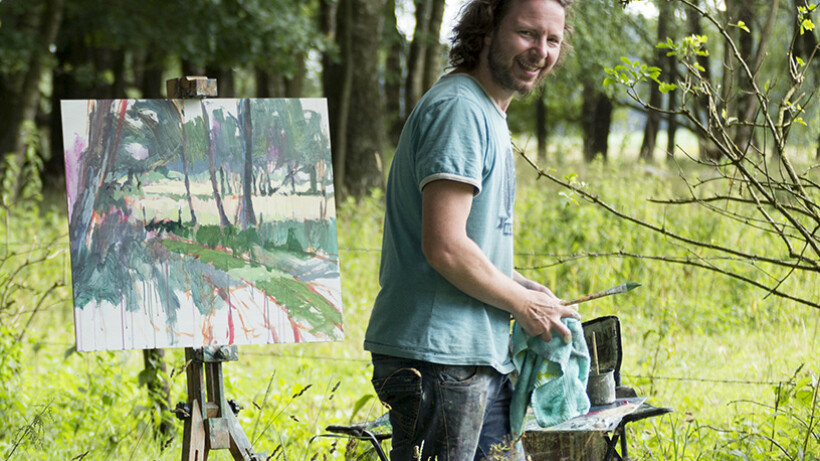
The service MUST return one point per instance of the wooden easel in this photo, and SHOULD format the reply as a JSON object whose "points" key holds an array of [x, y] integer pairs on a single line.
{"points": [[210, 422]]}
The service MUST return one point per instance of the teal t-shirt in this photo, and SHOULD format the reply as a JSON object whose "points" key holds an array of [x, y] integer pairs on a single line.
{"points": [[456, 132]]}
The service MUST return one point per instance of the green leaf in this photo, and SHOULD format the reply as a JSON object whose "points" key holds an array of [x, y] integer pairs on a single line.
{"points": [[359, 404], [742, 25], [146, 376], [807, 24], [667, 87], [69, 352]]}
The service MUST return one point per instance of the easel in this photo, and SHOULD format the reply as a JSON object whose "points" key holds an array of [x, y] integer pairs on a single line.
{"points": [[210, 421]]}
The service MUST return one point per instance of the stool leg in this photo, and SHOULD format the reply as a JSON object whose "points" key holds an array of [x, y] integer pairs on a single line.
{"points": [[376, 445], [624, 453]]}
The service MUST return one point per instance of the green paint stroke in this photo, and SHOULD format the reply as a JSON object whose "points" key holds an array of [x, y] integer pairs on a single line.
{"points": [[302, 303], [219, 259]]}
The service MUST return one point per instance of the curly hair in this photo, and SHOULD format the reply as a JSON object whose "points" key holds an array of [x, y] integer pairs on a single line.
{"points": [[479, 18]]}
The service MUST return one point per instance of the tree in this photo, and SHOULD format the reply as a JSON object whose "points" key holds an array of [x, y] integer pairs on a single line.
{"points": [[355, 99], [396, 48], [424, 58], [757, 185], [27, 30], [653, 119]]}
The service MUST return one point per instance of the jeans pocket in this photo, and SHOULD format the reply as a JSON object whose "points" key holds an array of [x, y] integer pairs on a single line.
{"points": [[457, 375], [401, 392]]}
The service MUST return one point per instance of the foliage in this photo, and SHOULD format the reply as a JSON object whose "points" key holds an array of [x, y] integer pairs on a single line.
{"points": [[754, 179], [676, 324]]}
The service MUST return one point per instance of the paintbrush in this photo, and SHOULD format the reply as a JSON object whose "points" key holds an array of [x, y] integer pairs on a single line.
{"points": [[622, 288]]}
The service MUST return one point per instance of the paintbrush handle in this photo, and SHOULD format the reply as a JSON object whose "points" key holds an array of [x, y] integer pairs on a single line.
{"points": [[622, 288]]}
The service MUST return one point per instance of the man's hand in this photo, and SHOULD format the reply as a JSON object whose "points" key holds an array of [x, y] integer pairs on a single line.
{"points": [[543, 311]]}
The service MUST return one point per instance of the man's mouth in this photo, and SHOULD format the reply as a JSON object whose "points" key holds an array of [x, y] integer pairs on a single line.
{"points": [[529, 67]]}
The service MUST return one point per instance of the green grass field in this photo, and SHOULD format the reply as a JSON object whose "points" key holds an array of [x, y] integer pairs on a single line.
{"points": [[739, 368]]}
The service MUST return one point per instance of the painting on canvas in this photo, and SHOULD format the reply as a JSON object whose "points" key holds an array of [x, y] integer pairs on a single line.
{"points": [[201, 222]]}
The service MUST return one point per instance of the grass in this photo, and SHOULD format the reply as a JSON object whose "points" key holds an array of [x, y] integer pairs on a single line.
{"points": [[726, 358]]}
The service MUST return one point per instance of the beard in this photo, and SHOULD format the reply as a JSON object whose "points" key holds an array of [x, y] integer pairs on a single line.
{"points": [[503, 75]]}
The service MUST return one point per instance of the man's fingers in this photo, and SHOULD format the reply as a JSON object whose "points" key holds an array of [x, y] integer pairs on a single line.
{"points": [[562, 330], [570, 312]]}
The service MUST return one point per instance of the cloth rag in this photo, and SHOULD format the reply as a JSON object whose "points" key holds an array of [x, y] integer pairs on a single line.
{"points": [[552, 377]]}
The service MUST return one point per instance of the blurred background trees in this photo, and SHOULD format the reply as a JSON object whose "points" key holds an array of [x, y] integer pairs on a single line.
{"points": [[727, 104], [373, 59]]}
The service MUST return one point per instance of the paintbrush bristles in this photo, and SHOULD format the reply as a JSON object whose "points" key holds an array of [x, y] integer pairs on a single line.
{"points": [[622, 288]]}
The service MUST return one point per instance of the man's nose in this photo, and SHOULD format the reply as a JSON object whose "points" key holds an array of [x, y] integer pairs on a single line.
{"points": [[540, 46]]}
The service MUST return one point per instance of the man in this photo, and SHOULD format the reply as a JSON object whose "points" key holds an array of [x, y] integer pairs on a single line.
{"points": [[439, 332]]}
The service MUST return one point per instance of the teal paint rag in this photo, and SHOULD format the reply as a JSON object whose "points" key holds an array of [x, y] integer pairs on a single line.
{"points": [[552, 377]]}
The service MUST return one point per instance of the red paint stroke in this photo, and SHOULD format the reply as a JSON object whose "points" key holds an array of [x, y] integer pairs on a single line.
{"points": [[297, 335], [230, 320]]}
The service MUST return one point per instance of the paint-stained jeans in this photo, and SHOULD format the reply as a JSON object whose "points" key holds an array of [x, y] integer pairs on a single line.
{"points": [[447, 413]]}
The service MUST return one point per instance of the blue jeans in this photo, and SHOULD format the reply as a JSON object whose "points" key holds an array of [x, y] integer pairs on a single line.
{"points": [[445, 412]]}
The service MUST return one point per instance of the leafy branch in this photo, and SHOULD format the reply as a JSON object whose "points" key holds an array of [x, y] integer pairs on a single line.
{"points": [[699, 262], [762, 191]]}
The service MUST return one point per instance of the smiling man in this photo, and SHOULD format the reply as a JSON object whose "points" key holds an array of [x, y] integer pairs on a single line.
{"points": [[439, 333]]}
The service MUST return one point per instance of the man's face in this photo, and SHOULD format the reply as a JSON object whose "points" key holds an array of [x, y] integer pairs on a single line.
{"points": [[526, 44]]}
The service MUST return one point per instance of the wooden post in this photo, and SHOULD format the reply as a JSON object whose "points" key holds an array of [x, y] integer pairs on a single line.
{"points": [[210, 423]]}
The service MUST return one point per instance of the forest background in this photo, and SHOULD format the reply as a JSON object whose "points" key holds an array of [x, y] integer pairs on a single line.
{"points": [[678, 147]]}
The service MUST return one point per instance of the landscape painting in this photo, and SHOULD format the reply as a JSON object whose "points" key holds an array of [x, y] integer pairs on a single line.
{"points": [[201, 222]]}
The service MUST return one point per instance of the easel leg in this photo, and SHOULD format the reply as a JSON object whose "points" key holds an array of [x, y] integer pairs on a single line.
{"points": [[212, 424], [193, 436]]}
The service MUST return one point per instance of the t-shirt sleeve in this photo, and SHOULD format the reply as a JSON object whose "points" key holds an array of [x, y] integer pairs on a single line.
{"points": [[451, 143]]}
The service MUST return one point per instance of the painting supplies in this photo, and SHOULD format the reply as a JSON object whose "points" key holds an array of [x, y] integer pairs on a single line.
{"points": [[600, 386], [622, 288]]}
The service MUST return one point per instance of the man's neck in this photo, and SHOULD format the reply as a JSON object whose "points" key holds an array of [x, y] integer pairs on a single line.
{"points": [[499, 95]]}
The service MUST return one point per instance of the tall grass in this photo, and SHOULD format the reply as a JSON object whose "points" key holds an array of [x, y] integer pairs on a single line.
{"points": [[739, 369]]}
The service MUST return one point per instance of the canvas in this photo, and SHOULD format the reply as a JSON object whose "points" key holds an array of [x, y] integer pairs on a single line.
{"points": [[201, 222]]}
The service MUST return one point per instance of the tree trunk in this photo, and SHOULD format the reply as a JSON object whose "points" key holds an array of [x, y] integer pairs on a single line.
{"points": [[363, 170], [671, 70], [650, 133], [21, 95], [700, 103], [750, 105], [159, 392], [596, 121], [671, 119], [414, 82], [224, 80], [295, 85], [602, 125], [395, 44], [433, 54], [151, 83], [337, 78], [804, 46]]}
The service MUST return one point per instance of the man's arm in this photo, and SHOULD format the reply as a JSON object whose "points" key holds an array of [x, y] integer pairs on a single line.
{"points": [[445, 209]]}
